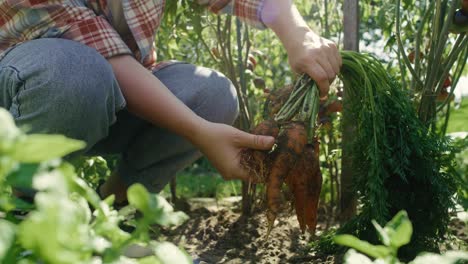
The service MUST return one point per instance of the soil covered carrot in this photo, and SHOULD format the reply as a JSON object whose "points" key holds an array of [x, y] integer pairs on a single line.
{"points": [[313, 187], [305, 182], [297, 183], [275, 101], [294, 110], [267, 127], [256, 161], [290, 145]]}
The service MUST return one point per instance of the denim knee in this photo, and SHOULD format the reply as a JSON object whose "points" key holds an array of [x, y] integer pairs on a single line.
{"points": [[66, 88], [207, 92], [220, 98]]}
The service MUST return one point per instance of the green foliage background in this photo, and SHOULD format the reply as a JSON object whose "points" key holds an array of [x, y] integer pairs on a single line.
{"points": [[189, 33], [197, 39]]}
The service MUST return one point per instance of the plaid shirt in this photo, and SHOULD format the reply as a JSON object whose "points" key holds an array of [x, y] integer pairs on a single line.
{"points": [[90, 22]]}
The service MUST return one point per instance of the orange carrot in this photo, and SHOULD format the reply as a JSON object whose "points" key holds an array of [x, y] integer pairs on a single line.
{"points": [[305, 181], [291, 142], [266, 128], [255, 161], [297, 183], [314, 186]]}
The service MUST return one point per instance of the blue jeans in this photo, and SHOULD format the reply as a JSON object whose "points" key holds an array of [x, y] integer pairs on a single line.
{"points": [[61, 86]]}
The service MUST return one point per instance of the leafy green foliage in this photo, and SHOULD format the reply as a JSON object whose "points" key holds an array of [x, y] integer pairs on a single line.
{"points": [[68, 222], [457, 120], [30, 149], [202, 182], [397, 232], [363, 246], [180, 35], [155, 208], [461, 154], [402, 165], [394, 235], [93, 169]]}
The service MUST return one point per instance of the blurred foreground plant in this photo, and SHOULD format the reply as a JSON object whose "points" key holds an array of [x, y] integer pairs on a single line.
{"points": [[394, 235], [60, 226]]}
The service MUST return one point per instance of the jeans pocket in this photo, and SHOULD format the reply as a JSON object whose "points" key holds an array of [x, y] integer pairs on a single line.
{"points": [[10, 86]]}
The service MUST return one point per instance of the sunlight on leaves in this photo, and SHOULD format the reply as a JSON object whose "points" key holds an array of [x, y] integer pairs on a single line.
{"points": [[7, 237], [169, 253], [36, 148], [363, 246], [399, 230]]}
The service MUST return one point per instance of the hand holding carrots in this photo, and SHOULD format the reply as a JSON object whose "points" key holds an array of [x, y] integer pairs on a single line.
{"points": [[317, 57], [290, 115], [222, 144], [308, 52]]}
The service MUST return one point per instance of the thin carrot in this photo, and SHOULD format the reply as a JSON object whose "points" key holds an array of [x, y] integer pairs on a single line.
{"points": [[291, 142], [297, 183], [305, 182], [313, 187]]}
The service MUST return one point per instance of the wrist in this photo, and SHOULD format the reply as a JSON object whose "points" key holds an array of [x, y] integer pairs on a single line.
{"points": [[197, 132], [285, 20], [294, 40]]}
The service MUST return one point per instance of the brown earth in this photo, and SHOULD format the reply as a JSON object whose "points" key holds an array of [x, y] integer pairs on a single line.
{"points": [[216, 233]]}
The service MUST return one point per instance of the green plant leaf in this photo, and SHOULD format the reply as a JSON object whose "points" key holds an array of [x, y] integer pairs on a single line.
{"points": [[6, 204], [154, 207], [362, 246], [80, 186], [7, 237], [22, 205], [139, 197], [58, 231], [171, 218], [8, 129], [37, 148], [449, 257], [53, 180], [22, 177], [149, 260], [168, 253], [353, 257], [166, 215], [399, 230], [382, 233]]}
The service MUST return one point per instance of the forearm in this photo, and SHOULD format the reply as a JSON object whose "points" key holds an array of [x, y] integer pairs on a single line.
{"points": [[307, 51], [284, 19], [150, 99]]}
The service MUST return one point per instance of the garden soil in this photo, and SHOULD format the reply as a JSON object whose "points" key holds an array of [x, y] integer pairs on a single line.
{"points": [[216, 233]]}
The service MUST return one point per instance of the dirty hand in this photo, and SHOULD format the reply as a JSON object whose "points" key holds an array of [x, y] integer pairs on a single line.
{"points": [[222, 144], [316, 56], [308, 52]]}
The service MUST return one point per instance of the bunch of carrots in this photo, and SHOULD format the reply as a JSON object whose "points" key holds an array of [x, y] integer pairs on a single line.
{"points": [[290, 116]]}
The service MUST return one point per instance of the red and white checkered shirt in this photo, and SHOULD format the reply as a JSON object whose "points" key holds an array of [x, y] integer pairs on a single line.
{"points": [[90, 22]]}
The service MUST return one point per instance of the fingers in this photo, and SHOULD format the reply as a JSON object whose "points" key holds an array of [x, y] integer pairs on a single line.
{"points": [[328, 68], [244, 139], [320, 76], [323, 65], [339, 60], [320, 60], [335, 58]]}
